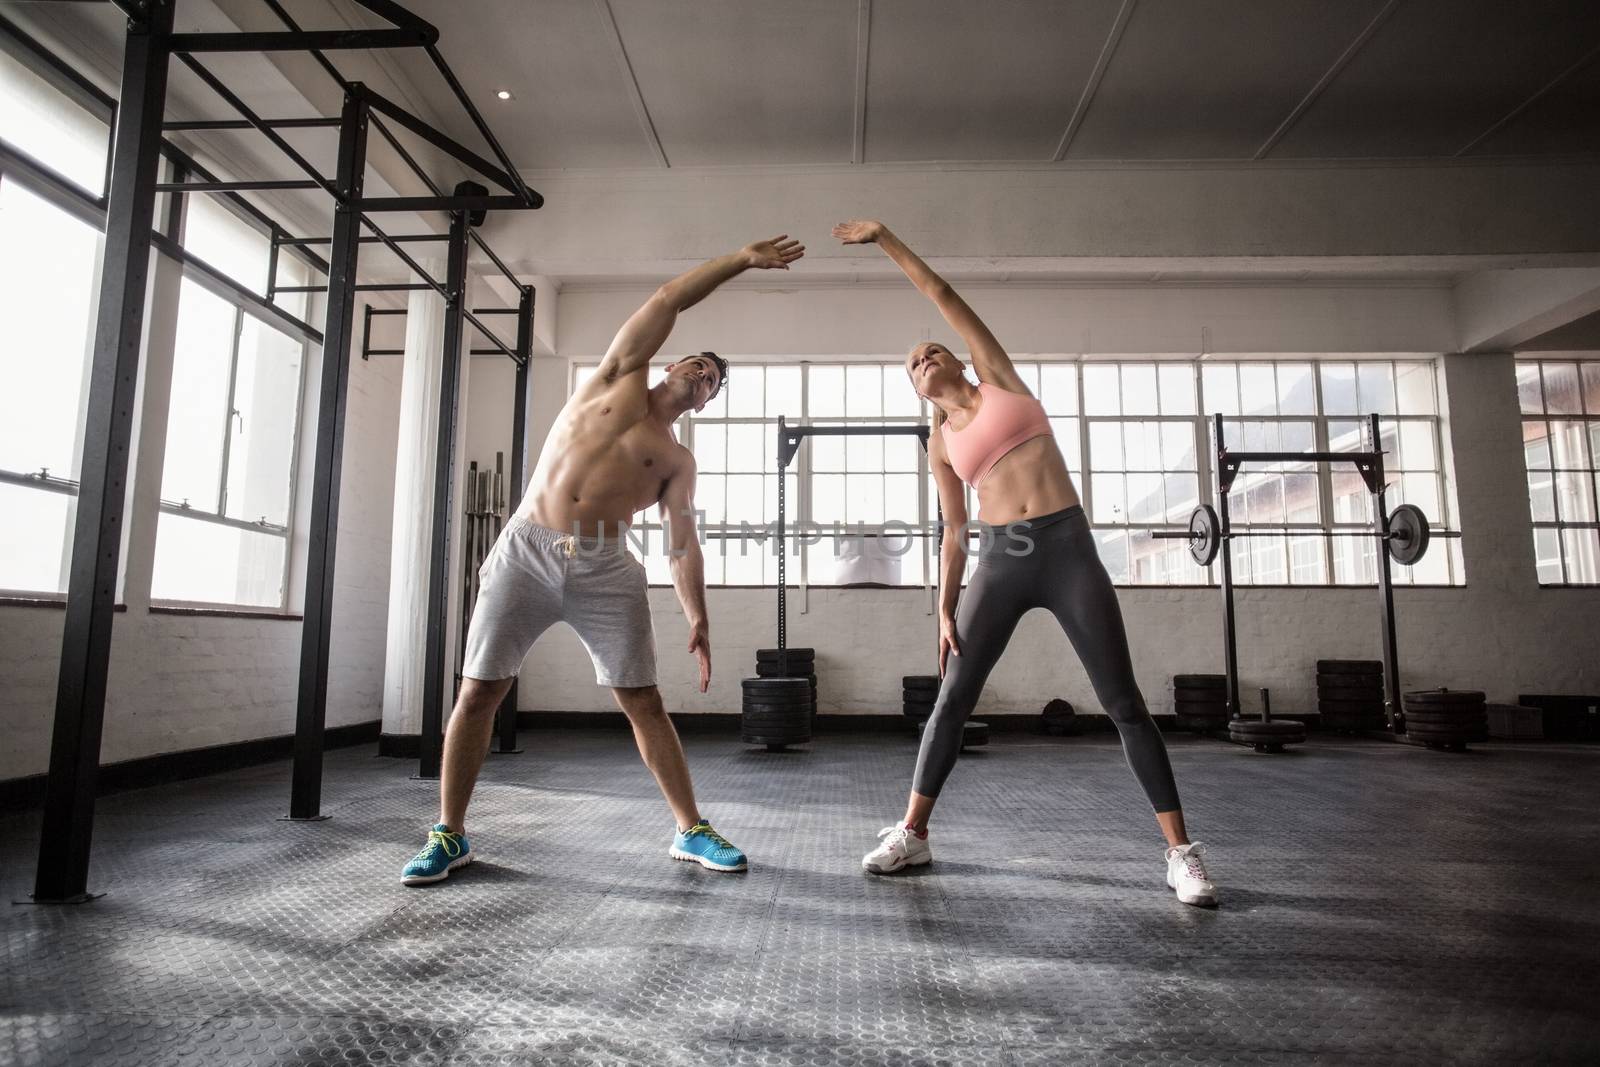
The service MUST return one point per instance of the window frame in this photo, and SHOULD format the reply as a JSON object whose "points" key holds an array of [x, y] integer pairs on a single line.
{"points": [[1587, 417]]}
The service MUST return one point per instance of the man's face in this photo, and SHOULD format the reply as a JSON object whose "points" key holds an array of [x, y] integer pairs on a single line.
{"points": [[698, 379]]}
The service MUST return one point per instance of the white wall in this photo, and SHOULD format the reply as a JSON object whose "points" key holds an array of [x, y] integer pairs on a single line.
{"points": [[1498, 632]]}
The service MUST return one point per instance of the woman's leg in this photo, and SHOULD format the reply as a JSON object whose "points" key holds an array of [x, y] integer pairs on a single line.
{"points": [[1079, 593], [985, 619]]}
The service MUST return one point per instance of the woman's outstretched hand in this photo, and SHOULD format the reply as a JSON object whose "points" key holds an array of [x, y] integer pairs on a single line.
{"points": [[775, 254], [858, 231]]}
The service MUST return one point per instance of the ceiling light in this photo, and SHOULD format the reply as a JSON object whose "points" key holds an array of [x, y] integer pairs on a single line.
{"points": [[504, 94]]}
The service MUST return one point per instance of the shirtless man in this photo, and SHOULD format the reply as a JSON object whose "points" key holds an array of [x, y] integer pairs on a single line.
{"points": [[562, 558]]}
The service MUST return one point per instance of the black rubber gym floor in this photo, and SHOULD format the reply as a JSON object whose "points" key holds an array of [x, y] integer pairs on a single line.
{"points": [[1382, 904]]}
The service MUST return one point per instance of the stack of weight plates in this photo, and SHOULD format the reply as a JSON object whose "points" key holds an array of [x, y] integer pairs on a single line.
{"points": [[1201, 701], [777, 712], [1267, 735], [1350, 695], [917, 694], [1060, 718], [1446, 718], [802, 663]]}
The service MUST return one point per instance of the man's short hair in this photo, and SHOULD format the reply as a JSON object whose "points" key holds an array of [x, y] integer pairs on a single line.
{"points": [[722, 372]]}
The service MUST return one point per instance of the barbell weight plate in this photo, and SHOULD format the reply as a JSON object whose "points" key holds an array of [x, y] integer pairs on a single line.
{"points": [[1205, 534], [1408, 534]]}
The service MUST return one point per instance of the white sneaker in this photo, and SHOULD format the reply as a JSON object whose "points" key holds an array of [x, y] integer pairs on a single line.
{"points": [[898, 848], [1186, 873]]}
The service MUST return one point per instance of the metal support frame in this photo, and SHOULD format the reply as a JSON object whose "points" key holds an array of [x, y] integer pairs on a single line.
{"points": [[1370, 465], [65, 838], [432, 746], [311, 712], [789, 438], [506, 715], [126, 212]]}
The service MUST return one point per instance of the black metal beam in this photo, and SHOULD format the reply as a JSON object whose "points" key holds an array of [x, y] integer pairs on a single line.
{"points": [[302, 40], [507, 713], [225, 287], [378, 204], [53, 186], [528, 196], [65, 837], [432, 741], [1394, 711], [244, 124], [234, 187], [403, 238], [312, 704], [448, 145], [1230, 643]]}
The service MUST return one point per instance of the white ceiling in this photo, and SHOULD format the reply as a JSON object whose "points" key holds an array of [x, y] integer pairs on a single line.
{"points": [[652, 83]]}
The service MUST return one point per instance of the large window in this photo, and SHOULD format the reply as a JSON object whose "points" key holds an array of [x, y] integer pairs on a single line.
{"points": [[43, 123], [226, 481], [1136, 437], [46, 327], [1560, 402]]}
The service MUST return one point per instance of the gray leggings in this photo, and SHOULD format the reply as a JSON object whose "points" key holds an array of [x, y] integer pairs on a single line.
{"points": [[1048, 562]]}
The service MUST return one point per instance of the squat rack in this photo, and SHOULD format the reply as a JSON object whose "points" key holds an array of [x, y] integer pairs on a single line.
{"points": [[128, 206]]}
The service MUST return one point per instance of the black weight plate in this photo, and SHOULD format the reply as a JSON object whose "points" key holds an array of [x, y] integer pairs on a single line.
{"points": [[974, 734], [771, 654], [1276, 728], [1452, 697], [1200, 696], [1350, 666], [1408, 534], [776, 725], [1205, 534], [775, 741], [795, 685], [1350, 681], [919, 696], [1058, 710], [794, 670], [1445, 724], [915, 713], [799, 708], [1200, 707], [920, 681], [1200, 681], [1350, 707], [920, 707]]}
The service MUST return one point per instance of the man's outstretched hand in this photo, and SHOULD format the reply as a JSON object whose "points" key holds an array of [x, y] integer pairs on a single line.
{"points": [[858, 231], [775, 254]]}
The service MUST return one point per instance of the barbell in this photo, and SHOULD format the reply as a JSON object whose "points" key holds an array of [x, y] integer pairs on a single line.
{"points": [[1406, 540]]}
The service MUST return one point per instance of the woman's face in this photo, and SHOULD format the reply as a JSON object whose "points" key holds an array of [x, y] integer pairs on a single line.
{"points": [[930, 366]]}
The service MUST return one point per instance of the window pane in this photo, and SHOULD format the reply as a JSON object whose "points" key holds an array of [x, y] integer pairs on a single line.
{"points": [[198, 419], [1528, 388], [1066, 432], [1591, 386], [744, 498], [746, 447], [827, 498], [1100, 389], [899, 398], [1258, 391], [34, 538], [1347, 436], [1542, 496], [51, 128], [710, 493], [1421, 490], [901, 454], [1307, 560], [1377, 388], [293, 272], [227, 242], [1219, 389], [46, 328], [1177, 446], [214, 564], [1574, 496], [1567, 442], [1297, 436], [863, 453], [825, 393], [1414, 383], [1183, 496], [1351, 501], [1139, 390], [827, 453], [1561, 389], [1266, 499], [266, 400], [1301, 498], [710, 447], [1113, 546], [1058, 386], [1177, 388], [1107, 493], [1146, 503], [1581, 553], [1536, 445], [1547, 555], [1296, 391], [1105, 446], [863, 390], [1029, 373], [900, 498], [1354, 561], [1142, 446], [1339, 389], [1416, 446], [746, 392], [783, 392], [864, 498]]}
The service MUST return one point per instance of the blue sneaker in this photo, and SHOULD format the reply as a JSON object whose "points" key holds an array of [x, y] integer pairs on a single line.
{"points": [[443, 853], [703, 845]]}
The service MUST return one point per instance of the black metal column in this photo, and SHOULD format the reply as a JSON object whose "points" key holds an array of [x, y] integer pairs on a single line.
{"points": [[64, 843], [506, 726], [1230, 643], [305, 799], [443, 484], [1391, 647]]}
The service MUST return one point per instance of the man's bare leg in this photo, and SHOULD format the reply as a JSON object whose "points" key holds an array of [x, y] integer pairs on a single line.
{"points": [[658, 744], [466, 744]]}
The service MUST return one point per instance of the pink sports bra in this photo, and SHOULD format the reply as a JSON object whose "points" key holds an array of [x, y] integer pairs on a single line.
{"points": [[1004, 421]]}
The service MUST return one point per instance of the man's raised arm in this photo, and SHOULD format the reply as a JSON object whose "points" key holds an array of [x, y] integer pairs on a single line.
{"points": [[642, 336]]}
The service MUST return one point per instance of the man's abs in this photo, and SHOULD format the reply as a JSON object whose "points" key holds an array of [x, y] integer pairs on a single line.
{"points": [[593, 476]]}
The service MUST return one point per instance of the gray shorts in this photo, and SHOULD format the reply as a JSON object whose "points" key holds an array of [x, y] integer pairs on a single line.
{"points": [[534, 577]]}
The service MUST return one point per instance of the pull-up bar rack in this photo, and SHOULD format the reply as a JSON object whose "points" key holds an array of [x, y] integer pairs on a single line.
{"points": [[128, 208]]}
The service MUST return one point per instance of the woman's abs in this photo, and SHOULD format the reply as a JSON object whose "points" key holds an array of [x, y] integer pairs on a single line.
{"points": [[1029, 480]]}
